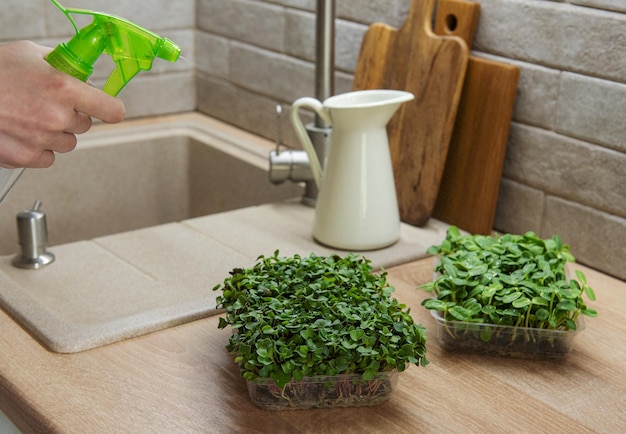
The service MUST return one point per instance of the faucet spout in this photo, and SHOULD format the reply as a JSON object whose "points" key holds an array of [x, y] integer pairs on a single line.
{"points": [[294, 164], [324, 53]]}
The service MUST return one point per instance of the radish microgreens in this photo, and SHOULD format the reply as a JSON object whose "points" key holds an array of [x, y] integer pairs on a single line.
{"points": [[305, 316]]}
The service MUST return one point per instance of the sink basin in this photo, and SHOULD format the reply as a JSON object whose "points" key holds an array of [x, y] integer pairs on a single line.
{"points": [[126, 263], [144, 173]]}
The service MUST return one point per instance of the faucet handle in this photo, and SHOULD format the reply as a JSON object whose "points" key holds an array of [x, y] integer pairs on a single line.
{"points": [[279, 113]]}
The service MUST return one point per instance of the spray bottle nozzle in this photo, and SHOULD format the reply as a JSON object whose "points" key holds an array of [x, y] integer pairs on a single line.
{"points": [[168, 51], [132, 48]]}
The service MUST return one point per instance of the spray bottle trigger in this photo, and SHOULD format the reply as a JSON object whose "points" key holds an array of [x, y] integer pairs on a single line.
{"points": [[124, 71]]}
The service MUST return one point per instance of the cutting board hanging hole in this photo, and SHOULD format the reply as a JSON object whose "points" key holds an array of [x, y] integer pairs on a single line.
{"points": [[451, 23]]}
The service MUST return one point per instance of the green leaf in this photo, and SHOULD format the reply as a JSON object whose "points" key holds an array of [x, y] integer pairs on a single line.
{"points": [[567, 305], [489, 309], [542, 314], [478, 270], [356, 334], [589, 312], [570, 325], [521, 302], [511, 297], [539, 301], [459, 313], [591, 295], [433, 304], [307, 333], [349, 344]]}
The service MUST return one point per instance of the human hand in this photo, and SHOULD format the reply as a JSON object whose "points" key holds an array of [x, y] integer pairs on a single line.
{"points": [[42, 109]]}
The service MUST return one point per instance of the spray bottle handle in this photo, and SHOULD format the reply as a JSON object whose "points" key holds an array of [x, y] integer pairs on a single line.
{"points": [[127, 66], [122, 74]]}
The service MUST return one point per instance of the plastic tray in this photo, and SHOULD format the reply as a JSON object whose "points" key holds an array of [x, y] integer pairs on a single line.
{"points": [[504, 341], [347, 390]]}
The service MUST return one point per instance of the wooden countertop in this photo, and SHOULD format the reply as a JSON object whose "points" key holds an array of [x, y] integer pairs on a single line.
{"points": [[182, 380]]}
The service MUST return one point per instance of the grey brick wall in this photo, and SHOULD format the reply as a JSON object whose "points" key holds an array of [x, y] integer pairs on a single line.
{"points": [[565, 169]]}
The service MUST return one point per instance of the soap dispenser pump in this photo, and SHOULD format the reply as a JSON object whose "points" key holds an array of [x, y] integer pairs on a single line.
{"points": [[32, 233]]}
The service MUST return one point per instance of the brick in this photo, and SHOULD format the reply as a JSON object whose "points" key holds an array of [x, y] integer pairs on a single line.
{"points": [[609, 5], [22, 20], [573, 169], [596, 238], [300, 39], [154, 15], [592, 109], [270, 73], [308, 5], [520, 208], [253, 112], [257, 23], [213, 54], [300, 34], [392, 12], [218, 98], [152, 95], [348, 44], [559, 35]]}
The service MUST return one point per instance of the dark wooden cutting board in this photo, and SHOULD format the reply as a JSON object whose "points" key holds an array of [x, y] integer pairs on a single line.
{"points": [[468, 193], [432, 67]]}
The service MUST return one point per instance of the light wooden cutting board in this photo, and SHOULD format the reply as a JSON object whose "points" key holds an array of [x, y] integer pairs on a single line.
{"points": [[432, 67], [468, 194]]}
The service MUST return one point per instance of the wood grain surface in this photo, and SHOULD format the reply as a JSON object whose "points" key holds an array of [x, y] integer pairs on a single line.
{"points": [[469, 188], [432, 67], [182, 380]]}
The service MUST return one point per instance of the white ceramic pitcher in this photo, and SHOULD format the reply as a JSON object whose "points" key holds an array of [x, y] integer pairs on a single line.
{"points": [[357, 208]]}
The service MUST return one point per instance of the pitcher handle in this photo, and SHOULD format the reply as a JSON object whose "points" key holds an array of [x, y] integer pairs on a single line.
{"points": [[303, 136]]}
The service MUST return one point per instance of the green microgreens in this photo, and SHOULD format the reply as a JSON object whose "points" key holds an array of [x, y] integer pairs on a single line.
{"points": [[304, 316], [513, 280]]}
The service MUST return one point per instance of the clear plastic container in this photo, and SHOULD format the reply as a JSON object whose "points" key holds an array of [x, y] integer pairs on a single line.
{"points": [[504, 341], [347, 390]]}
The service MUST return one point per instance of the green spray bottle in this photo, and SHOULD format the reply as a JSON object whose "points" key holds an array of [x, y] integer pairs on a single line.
{"points": [[132, 48]]}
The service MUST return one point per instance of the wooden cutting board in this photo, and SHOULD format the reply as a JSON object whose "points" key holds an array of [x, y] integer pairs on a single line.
{"points": [[432, 67], [468, 194]]}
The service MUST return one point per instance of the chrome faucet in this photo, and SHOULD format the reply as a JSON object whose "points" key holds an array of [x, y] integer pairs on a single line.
{"points": [[294, 164]]}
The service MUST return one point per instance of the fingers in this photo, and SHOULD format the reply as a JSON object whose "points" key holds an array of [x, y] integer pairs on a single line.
{"points": [[79, 123], [65, 142], [100, 105], [46, 158]]}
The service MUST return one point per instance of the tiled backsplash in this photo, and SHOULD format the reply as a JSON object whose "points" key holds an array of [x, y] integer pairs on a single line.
{"points": [[565, 170]]}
